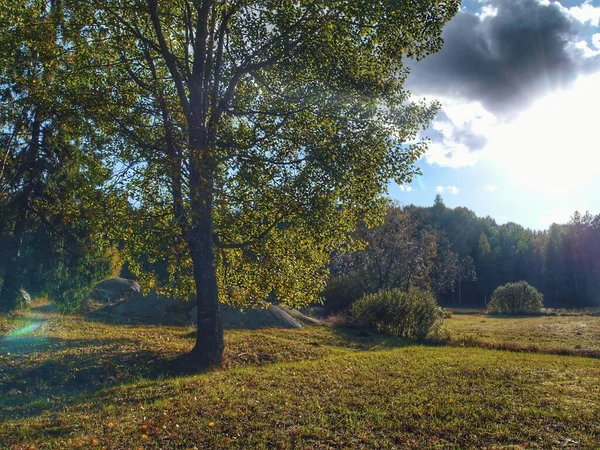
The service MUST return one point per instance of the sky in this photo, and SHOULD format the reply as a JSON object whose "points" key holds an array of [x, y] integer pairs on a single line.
{"points": [[518, 135]]}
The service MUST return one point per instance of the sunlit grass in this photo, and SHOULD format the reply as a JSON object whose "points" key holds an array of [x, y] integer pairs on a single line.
{"points": [[75, 383], [576, 333]]}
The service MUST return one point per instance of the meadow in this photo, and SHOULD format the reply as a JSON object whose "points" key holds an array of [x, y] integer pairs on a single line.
{"points": [[574, 333], [75, 382]]}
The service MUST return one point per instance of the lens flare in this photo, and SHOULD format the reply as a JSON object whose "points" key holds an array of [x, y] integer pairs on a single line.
{"points": [[22, 331]]}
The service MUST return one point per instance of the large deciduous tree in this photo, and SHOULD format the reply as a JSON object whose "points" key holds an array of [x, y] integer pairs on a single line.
{"points": [[256, 135]]}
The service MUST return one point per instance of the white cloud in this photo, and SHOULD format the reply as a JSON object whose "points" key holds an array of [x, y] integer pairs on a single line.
{"points": [[585, 48], [404, 188], [450, 189], [453, 156], [487, 11], [596, 40], [458, 134], [552, 147], [586, 12], [490, 188]]}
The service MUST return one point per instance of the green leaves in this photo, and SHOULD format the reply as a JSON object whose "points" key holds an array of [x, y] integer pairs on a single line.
{"points": [[51, 169], [275, 126], [285, 120]]}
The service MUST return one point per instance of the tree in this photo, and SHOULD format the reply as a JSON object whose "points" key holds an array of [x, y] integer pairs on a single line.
{"points": [[397, 255], [269, 128], [49, 165]]}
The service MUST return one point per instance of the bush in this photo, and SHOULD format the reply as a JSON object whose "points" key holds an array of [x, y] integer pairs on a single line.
{"points": [[516, 298], [414, 314]]}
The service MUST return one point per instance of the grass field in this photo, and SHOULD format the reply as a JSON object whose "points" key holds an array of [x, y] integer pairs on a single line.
{"points": [[576, 333], [68, 382]]}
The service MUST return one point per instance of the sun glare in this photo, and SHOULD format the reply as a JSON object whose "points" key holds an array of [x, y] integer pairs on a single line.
{"points": [[553, 147]]}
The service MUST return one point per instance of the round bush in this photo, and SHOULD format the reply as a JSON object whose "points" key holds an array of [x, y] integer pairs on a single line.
{"points": [[516, 298], [414, 314]]}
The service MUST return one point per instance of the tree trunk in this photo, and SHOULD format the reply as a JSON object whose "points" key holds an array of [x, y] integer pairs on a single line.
{"points": [[12, 273], [208, 350]]}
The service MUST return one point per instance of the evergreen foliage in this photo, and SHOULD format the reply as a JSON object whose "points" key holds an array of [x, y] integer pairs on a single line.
{"points": [[468, 257], [51, 165]]}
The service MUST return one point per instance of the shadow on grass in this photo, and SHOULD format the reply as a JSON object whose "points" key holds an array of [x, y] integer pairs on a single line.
{"points": [[71, 372], [520, 348], [365, 340], [369, 341], [45, 308], [108, 316]]}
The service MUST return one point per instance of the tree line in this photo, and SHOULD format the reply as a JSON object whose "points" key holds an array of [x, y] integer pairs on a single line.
{"points": [[462, 258]]}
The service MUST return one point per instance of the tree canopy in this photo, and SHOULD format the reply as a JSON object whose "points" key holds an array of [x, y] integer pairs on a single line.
{"points": [[464, 258], [50, 171], [258, 134]]}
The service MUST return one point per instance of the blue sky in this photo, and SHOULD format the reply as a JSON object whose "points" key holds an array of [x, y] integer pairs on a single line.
{"points": [[517, 136]]}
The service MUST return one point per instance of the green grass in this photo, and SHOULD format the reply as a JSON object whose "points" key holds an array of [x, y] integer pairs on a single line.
{"points": [[75, 383], [574, 334]]}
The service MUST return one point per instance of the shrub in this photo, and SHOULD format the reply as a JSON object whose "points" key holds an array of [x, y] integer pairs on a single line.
{"points": [[414, 314], [516, 298]]}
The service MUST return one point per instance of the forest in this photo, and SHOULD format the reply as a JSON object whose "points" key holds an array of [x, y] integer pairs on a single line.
{"points": [[463, 258]]}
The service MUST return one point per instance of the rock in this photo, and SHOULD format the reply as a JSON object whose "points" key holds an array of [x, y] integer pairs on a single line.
{"points": [[25, 297], [298, 315], [151, 308], [273, 316], [157, 309], [114, 290]]}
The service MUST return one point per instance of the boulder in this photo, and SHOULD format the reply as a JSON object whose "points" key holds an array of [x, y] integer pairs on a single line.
{"points": [[151, 309], [25, 298], [273, 316], [115, 290], [300, 316], [157, 309]]}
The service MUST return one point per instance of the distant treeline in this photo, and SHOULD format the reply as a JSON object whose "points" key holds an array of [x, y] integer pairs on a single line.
{"points": [[463, 258]]}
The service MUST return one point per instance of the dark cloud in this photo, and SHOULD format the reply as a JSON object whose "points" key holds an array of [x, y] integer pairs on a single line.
{"points": [[503, 61]]}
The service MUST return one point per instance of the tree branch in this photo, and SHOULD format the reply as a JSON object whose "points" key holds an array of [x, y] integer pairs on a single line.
{"points": [[170, 60]]}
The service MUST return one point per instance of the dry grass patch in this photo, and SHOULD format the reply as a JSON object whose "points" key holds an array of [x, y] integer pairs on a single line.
{"points": [[573, 334]]}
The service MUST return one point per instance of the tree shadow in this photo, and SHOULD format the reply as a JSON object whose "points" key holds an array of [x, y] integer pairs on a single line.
{"points": [[60, 373], [47, 308], [366, 340], [108, 316]]}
